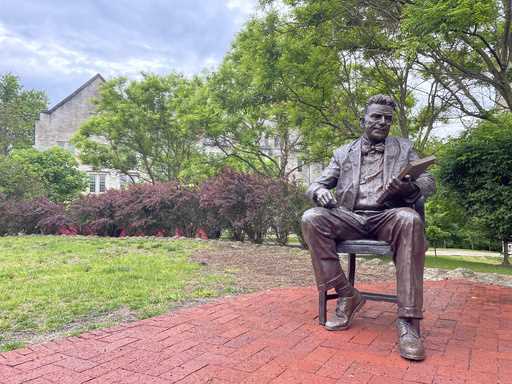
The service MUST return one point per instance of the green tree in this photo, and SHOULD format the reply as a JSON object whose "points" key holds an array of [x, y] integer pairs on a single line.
{"points": [[255, 123], [445, 219], [151, 125], [466, 46], [19, 109], [19, 182], [319, 61], [436, 229], [28, 173], [477, 169]]}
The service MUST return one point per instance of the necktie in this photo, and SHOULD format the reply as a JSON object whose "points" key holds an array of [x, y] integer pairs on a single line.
{"points": [[371, 148]]}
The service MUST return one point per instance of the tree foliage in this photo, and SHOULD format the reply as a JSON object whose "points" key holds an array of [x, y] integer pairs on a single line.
{"points": [[477, 168], [256, 125], [54, 173], [448, 226], [466, 46], [19, 109], [28, 173], [303, 74], [18, 181], [147, 125]]}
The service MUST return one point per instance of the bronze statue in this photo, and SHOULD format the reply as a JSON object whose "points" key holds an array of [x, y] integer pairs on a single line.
{"points": [[360, 171]]}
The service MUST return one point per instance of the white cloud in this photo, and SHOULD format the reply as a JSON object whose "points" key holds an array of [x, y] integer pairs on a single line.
{"points": [[244, 5], [55, 45], [244, 8], [52, 56]]}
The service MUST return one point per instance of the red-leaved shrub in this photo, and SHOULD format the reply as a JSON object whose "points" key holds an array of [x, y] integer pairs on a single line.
{"points": [[160, 209], [249, 205], [288, 204], [95, 214], [37, 216]]}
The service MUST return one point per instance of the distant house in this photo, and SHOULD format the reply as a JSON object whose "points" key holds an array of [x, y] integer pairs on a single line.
{"points": [[58, 124]]}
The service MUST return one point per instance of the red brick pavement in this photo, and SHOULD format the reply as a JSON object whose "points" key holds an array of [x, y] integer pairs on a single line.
{"points": [[273, 337]]}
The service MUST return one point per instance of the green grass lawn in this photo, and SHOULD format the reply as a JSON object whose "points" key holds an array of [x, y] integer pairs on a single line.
{"points": [[50, 284], [475, 263], [482, 264]]}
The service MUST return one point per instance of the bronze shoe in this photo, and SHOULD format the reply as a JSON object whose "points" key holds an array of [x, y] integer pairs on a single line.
{"points": [[346, 308], [411, 346]]}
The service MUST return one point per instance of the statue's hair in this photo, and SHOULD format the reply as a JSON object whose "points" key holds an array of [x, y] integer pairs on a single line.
{"points": [[382, 100]]}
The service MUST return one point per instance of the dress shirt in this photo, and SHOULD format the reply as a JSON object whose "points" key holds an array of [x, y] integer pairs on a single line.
{"points": [[371, 179]]}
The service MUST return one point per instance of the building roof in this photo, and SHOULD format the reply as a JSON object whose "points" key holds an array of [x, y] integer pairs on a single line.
{"points": [[65, 100]]}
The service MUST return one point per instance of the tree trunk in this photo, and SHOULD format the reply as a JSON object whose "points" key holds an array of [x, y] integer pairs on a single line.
{"points": [[237, 234], [506, 260]]}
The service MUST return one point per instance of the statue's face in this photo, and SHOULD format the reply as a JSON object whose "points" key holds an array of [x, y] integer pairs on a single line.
{"points": [[377, 122]]}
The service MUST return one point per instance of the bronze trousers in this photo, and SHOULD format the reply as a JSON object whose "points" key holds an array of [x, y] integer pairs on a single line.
{"points": [[401, 227]]}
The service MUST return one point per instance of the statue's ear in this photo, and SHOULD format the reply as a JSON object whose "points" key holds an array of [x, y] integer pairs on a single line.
{"points": [[361, 121]]}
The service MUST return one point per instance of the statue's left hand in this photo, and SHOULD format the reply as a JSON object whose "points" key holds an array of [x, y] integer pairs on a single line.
{"points": [[402, 188]]}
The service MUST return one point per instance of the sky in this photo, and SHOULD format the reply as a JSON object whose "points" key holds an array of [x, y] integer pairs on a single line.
{"points": [[57, 45]]}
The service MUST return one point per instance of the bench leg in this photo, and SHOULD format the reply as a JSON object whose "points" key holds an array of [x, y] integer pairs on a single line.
{"points": [[351, 268], [322, 307]]}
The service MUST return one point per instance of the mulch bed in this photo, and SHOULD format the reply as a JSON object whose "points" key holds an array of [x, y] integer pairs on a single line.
{"points": [[258, 267]]}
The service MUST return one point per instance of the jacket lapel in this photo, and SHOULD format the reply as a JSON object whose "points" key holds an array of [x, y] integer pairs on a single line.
{"points": [[390, 157], [354, 157]]}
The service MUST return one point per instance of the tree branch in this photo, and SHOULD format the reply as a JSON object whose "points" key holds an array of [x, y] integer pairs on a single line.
{"points": [[439, 57], [506, 43]]}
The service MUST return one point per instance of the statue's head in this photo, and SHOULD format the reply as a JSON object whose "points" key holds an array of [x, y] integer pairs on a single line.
{"points": [[378, 116]]}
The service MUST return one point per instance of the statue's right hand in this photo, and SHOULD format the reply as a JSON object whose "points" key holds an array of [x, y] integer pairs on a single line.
{"points": [[325, 198]]}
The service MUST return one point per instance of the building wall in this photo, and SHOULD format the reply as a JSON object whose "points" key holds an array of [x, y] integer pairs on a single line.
{"points": [[58, 126]]}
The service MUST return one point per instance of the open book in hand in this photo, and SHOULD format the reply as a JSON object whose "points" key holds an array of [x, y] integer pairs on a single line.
{"points": [[415, 168]]}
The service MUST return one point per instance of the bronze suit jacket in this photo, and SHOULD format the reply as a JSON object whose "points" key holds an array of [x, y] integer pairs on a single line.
{"points": [[344, 169]]}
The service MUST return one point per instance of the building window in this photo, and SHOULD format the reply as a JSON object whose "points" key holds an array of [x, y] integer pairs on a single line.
{"points": [[92, 183], [299, 165], [102, 183], [97, 183]]}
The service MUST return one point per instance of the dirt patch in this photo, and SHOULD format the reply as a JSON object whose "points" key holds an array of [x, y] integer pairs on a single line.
{"points": [[257, 267]]}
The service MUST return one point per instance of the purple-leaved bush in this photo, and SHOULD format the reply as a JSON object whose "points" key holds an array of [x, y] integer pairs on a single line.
{"points": [[248, 205]]}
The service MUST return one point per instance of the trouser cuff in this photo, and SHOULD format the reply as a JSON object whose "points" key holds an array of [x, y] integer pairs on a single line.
{"points": [[338, 281], [410, 313]]}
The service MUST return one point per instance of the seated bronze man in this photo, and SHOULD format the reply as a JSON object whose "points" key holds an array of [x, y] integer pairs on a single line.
{"points": [[360, 171]]}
